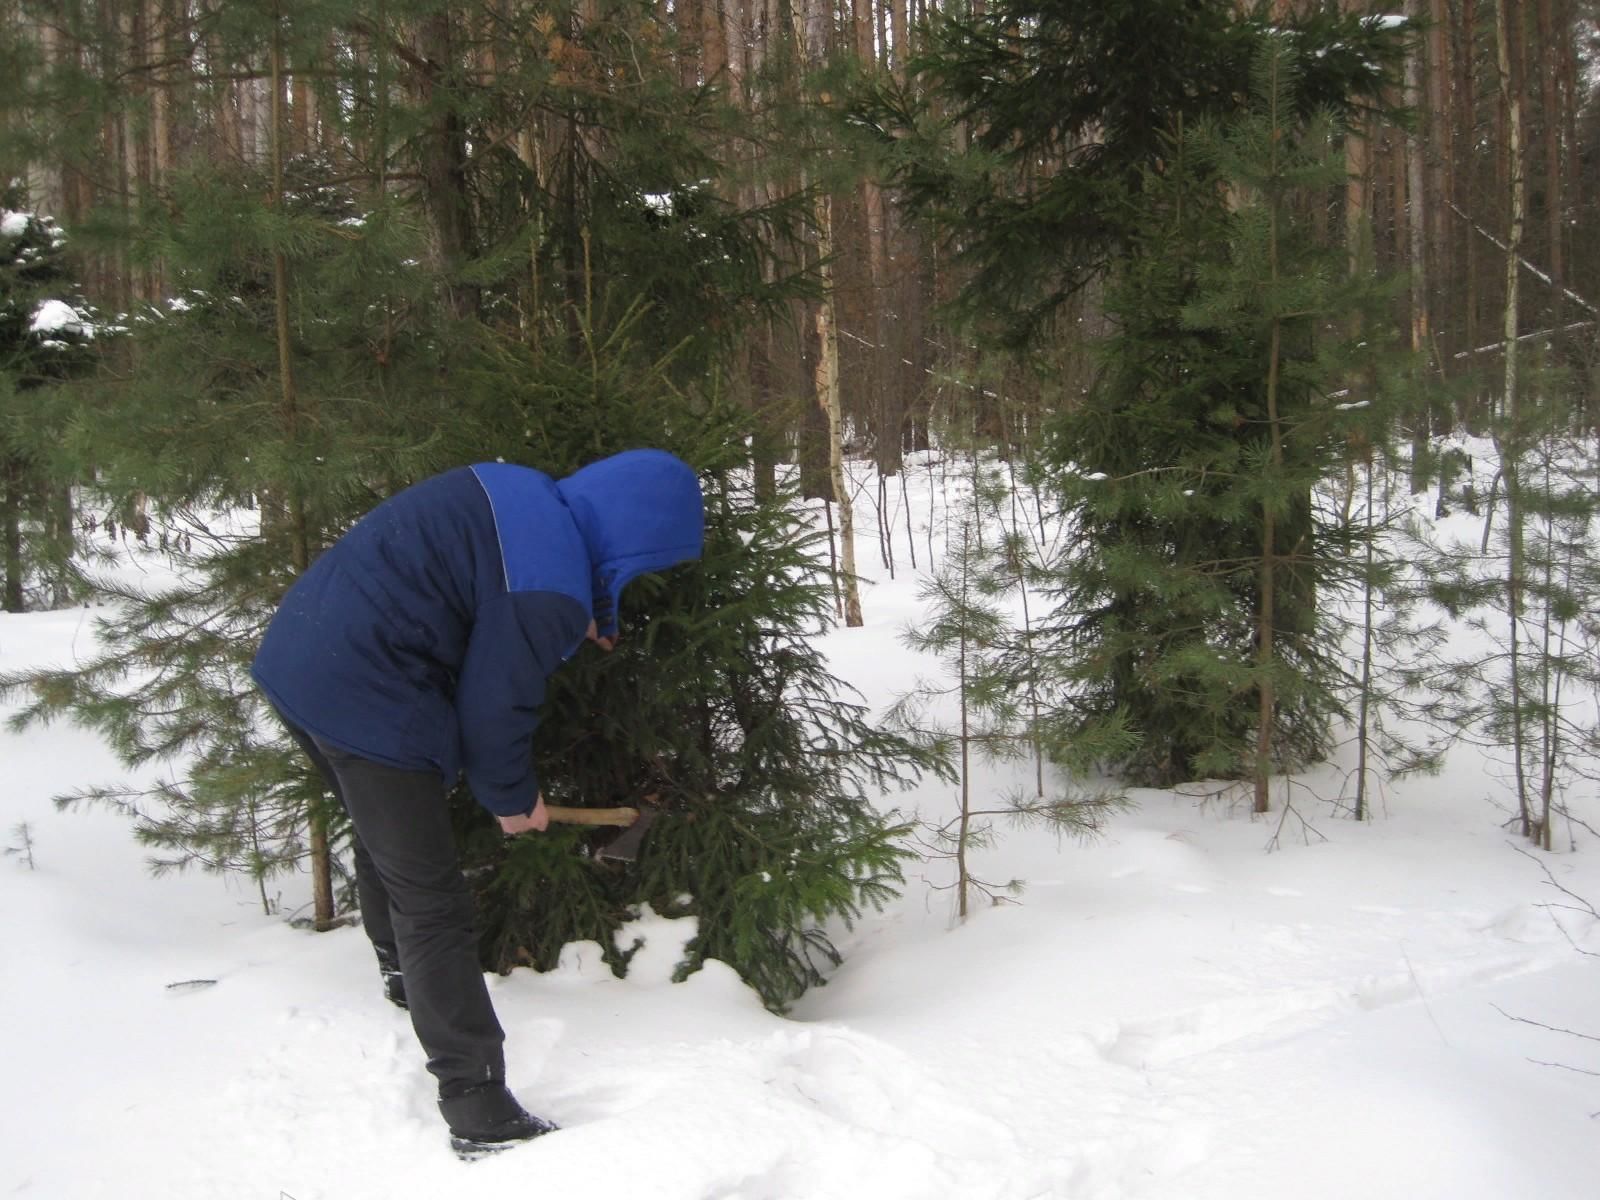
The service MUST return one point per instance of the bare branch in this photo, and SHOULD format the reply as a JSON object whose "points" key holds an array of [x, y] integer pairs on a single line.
{"points": [[1588, 1037]]}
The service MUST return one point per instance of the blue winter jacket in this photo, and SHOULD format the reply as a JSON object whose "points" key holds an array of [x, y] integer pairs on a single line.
{"points": [[424, 636]]}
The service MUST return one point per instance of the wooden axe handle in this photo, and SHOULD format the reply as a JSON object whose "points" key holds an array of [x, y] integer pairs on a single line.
{"points": [[620, 817]]}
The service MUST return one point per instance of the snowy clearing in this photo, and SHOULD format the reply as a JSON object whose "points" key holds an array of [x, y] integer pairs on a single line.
{"points": [[1171, 1012]]}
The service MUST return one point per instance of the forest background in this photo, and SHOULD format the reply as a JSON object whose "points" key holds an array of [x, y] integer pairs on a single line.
{"points": [[1204, 281]]}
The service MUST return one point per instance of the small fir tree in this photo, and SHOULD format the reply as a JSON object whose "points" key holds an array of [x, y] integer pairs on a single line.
{"points": [[992, 676], [565, 290]]}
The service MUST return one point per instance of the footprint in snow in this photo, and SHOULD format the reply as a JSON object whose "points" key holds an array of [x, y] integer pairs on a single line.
{"points": [[867, 1085]]}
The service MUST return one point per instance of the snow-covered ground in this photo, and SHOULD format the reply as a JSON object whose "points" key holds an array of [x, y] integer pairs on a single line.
{"points": [[1172, 1012]]}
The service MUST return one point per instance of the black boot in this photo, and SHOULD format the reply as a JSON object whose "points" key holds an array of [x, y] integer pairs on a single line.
{"points": [[487, 1118], [394, 983]]}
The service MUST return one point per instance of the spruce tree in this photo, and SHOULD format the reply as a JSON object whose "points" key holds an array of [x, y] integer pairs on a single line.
{"points": [[716, 709], [1067, 183], [1032, 122], [1200, 606], [46, 332]]}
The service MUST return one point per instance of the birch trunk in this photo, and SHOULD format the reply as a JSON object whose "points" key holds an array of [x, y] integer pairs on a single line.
{"points": [[1511, 447], [827, 389]]}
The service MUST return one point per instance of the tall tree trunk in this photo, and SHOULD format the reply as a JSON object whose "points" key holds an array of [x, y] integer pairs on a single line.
{"points": [[1357, 151], [1441, 148], [299, 534], [713, 44], [1550, 97], [827, 389], [1417, 250], [46, 182], [898, 35], [444, 156], [1417, 199], [11, 591], [1466, 139], [1512, 439], [1266, 650]]}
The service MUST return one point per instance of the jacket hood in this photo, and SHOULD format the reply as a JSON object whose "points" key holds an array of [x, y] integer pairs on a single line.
{"points": [[638, 511]]}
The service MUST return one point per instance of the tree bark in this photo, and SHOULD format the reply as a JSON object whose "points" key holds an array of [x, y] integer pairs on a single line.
{"points": [[1550, 96], [11, 591], [1441, 145], [299, 534], [901, 47], [1416, 213], [1417, 199], [444, 157], [1512, 438], [1357, 150], [827, 389]]}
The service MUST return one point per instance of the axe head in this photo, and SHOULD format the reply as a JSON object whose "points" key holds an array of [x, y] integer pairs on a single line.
{"points": [[625, 846]]}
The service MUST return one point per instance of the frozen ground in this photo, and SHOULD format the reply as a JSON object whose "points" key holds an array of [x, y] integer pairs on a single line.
{"points": [[1174, 1012]]}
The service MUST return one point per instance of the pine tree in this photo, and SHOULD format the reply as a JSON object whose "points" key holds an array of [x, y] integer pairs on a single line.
{"points": [[1522, 687]]}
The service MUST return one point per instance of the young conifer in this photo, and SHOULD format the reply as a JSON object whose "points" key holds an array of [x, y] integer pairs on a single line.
{"points": [[1202, 610], [46, 332], [551, 298], [244, 488], [716, 709], [992, 679]]}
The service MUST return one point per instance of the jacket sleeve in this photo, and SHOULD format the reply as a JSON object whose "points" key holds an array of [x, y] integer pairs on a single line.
{"points": [[517, 640]]}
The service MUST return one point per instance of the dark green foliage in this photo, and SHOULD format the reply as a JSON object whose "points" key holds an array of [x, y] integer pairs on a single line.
{"points": [[1069, 104], [546, 301], [1237, 331], [715, 703], [1077, 168], [46, 331], [198, 416], [597, 181], [187, 430]]}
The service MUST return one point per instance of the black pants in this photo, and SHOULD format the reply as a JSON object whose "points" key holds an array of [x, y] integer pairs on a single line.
{"points": [[416, 907]]}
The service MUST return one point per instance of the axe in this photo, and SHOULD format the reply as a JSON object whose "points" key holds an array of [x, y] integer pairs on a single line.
{"points": [[634, 823]]}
